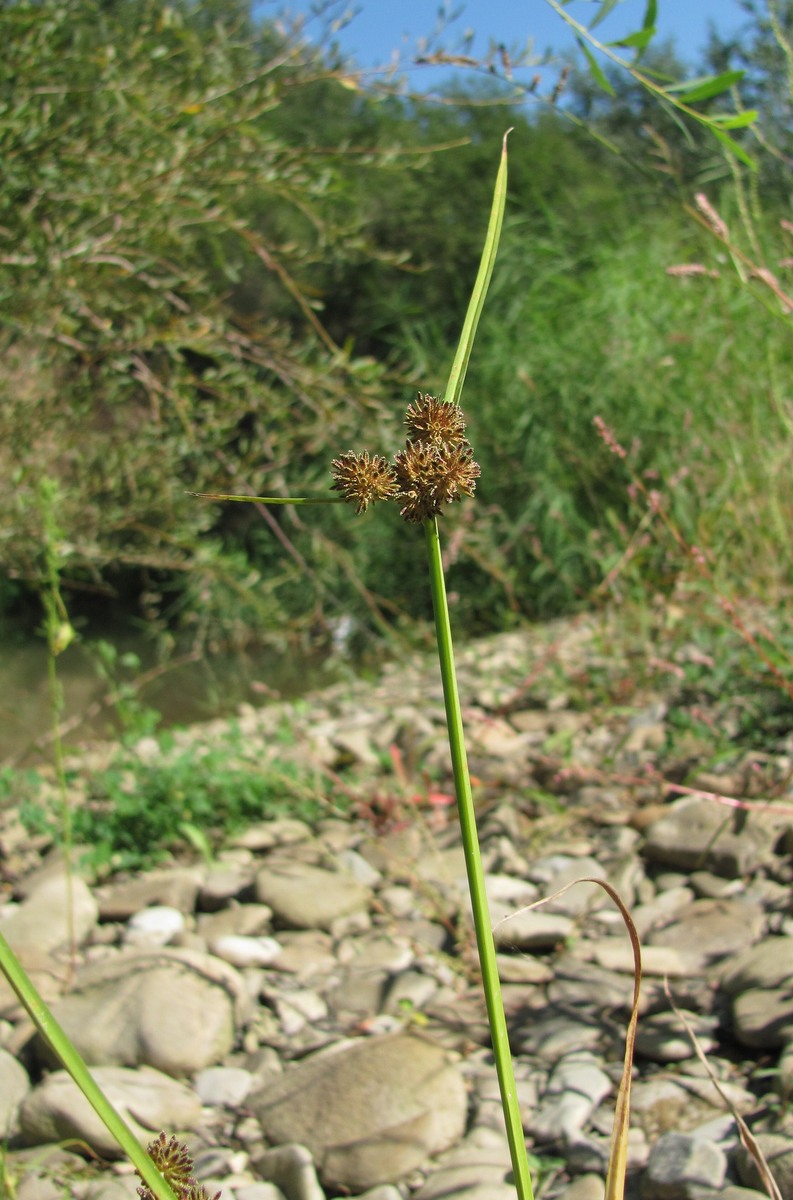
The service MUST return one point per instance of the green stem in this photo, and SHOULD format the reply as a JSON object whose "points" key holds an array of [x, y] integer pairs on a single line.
{"points": [[476, 876], [52, 1033]]}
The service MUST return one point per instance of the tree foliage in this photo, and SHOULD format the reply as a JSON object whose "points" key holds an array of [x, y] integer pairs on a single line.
{"points": [[157, 234], [223, 264]]}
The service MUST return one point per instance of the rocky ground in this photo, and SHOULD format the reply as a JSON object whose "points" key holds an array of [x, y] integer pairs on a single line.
{"points": [[306, 1008]]}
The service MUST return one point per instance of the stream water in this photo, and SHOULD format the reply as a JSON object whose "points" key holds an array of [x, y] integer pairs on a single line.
{"points": [[195, 690]]}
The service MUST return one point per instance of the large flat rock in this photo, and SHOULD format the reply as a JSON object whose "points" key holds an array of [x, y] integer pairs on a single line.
{"points": [[369, 1110]]}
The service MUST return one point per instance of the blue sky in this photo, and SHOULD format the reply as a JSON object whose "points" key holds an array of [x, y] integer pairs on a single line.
{"points": [[379, 28]]}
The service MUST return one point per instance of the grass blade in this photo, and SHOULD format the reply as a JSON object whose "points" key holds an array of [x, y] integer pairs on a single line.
{"points": [[270, 499], [55, 1037], [460, 365]]}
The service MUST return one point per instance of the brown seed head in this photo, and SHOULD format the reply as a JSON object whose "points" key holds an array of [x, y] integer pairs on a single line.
{"points": [[362, 479], [437, 421], [431, 476], [173, 1161]]}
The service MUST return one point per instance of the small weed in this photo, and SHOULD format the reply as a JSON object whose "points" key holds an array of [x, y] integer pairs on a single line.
{"points": [[138, 813]]}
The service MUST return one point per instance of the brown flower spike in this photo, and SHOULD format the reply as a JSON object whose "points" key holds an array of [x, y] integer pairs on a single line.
{"points": [[436, 467], [173, 1161], [362, 479], [436, 421], [431, 476]]}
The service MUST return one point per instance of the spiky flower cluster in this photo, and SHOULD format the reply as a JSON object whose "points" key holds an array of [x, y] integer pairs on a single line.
{"points": [[173, 1161], [436, 467], [362, 479]]}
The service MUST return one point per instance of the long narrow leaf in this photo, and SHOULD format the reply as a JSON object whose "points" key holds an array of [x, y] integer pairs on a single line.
{"points": [[650, 14], [691, 91], [734, 147], [460, 365], [605, 8], [54, 1036], [594, 66], [639, 40], [735, 120], [270, 499]]}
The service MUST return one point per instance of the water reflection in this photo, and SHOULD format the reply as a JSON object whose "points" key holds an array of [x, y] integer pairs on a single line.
{"points": [[195, 689]]}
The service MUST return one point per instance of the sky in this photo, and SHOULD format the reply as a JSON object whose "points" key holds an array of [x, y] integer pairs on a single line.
{"points": [[379, 28]]}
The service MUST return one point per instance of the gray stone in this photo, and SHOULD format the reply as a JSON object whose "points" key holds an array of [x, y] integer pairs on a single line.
{"points": [[767, 965], [148, 1101], [576, 981], [14, 1086], [616, 954], [471, 1170], [552, 1037], [374, 951], [291, 1168], [355, 865], [385, 1191], [662, 908], [763, 1018], [224, 883], [556, 871], [306, 897], [662, 1037], [514, 968], [155, 926], [259, 1191], [778, 1151], [176, 887], [733, 1192], [531, 930], [306, 954], [714, 927], [41, 921], [575, 1088], [298, 1009], [39, 932], [238, 920], [369, 1111], [698, 833], [245, 951], [227, 1086], [38, 1185], [714, 887], [585, 1187], [784, 1081], [360, 993], [680, 1165], [125, 1188], [410, 991], [175, 1010], [284, 831]]}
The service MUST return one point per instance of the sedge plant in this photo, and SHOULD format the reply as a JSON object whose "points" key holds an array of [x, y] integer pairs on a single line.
{"points": [[437, 467]]}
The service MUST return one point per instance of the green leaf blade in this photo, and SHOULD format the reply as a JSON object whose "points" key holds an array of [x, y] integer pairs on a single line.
{"points": [[595, 68], [734, 148], [639, 40], [606, 7], [463, 353], [735, 120], [693, 90], [650, 14]]}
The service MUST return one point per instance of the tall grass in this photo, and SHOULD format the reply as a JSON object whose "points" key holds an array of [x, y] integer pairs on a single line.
{"points": [[689, 371]]}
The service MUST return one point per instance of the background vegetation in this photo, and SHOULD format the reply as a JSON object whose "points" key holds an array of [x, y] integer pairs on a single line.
{"points": [[223, 262]]}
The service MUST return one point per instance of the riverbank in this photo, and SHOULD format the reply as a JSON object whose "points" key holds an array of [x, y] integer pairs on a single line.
{"points": [[212, 990]]}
